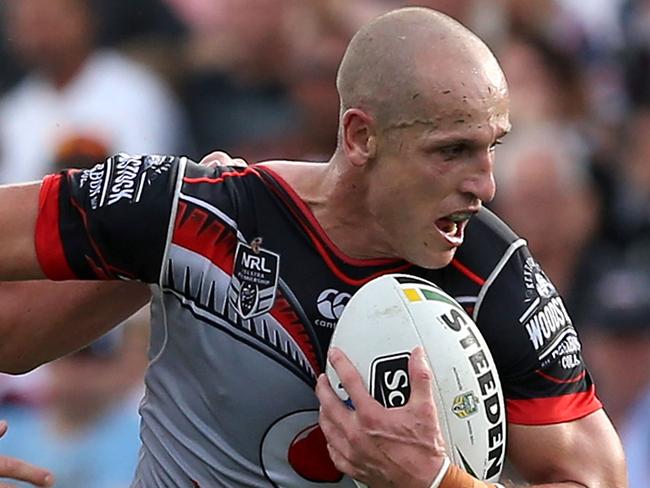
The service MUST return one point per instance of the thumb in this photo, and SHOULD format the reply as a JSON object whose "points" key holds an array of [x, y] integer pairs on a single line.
{"points": [[421, 377]]}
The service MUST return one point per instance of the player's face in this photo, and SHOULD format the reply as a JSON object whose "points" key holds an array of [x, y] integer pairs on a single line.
{"points": [[430, 178]]}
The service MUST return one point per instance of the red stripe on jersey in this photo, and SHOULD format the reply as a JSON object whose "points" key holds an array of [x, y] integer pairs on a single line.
{"points": [[49, 246], [219, 179], [218, 243], [322, 242], [560, 381], [284, 313], [307, 214], [342, 276], [553, 410], [467, 272], [214, 241]]}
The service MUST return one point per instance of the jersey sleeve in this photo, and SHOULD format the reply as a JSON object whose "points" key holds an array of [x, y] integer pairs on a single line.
{"points": [[108, 222], [534, 344]]}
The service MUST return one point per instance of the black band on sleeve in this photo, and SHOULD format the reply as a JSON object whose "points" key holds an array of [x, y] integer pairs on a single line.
{"points": [[114, 218]]}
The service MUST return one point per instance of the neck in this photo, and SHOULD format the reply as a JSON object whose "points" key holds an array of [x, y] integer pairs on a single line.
{"points": [[339, 200]]}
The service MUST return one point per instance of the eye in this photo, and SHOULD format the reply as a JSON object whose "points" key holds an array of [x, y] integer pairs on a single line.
{"points": [[452, 151]]}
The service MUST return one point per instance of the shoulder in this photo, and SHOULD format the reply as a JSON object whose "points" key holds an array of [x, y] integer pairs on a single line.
{"points": [[294, 173], [489, 244], [486, 224], [207, 178], [234, 193]]}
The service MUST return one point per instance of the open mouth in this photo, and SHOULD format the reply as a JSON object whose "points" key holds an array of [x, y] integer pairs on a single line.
{"points": [[452, 227]]}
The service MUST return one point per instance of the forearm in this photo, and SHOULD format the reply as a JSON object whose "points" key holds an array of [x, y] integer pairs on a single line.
{"points": [[584, 453], [18, 213], [610, 480], [469, 482], [456, 478], [43, 320]]}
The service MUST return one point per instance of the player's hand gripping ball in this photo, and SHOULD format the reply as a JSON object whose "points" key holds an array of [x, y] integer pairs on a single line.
{"points": [[378, 331]]}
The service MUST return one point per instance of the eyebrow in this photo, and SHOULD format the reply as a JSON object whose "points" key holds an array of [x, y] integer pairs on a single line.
{"points": [[451, 140]]}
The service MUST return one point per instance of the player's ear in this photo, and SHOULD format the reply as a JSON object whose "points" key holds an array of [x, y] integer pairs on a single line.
{"points": [[359, 138]]}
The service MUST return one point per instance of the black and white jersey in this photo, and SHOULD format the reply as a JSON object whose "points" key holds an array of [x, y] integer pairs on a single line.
{"points": [[247, 292]]}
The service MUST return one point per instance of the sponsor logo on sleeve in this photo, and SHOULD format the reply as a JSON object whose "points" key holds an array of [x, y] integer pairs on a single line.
{"points": [[157, 165], [93, 180], [547, 321], [127, 181], [537, 283], [254, 279], [121, 177]]}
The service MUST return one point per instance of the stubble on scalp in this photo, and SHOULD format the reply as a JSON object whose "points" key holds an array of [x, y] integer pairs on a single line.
{"points": [[417, 66]]}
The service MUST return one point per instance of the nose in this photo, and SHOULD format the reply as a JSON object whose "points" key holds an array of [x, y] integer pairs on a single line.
{"points": [[479, 183]]}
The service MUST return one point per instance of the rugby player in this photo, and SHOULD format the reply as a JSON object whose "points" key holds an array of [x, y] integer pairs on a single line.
{"points": [[248, 267]]}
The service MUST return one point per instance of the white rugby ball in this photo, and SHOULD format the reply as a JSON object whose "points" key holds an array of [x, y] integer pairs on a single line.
{"points": [[380, 326]]}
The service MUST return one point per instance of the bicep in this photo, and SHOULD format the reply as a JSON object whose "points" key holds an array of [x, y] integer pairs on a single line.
{"points": [[18, 213], [586, 451], [43, 320]]}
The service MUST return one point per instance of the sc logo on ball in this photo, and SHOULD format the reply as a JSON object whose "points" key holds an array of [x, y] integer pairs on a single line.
{"points": [[389, 380]]}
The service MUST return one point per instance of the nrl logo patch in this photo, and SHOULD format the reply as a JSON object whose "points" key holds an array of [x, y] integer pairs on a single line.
{"points": [[465, 405], [254, 279]]}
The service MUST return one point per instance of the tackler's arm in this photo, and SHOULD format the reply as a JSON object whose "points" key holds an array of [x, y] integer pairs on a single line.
{"points": [[43, 320], [18, 470], [18, 213]]}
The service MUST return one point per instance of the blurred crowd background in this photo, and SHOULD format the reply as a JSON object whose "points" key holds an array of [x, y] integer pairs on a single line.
{"points": [[82, 79]]}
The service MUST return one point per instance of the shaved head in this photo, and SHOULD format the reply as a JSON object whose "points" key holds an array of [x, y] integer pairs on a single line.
{"points": [[424, 104], [403, 67]]}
